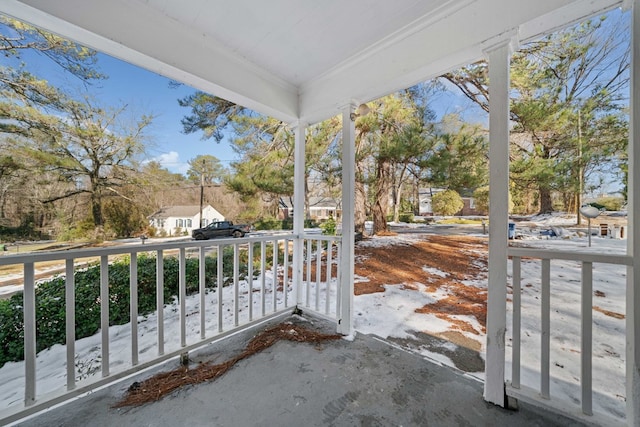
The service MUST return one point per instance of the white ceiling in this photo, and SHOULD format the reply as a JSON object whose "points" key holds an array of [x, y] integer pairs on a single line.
{"points": [[300, 59]]}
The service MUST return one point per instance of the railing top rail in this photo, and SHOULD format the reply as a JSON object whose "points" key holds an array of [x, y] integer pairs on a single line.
{"points": [[323, 237], [131, 248], [621, 259]]}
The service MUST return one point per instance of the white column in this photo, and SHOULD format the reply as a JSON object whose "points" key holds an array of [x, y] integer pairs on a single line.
{"points": [[633, 236], [299, 167], [498, 220], [345, 316]]}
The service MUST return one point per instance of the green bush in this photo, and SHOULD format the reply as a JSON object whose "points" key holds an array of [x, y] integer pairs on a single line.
{"points": [[281, 224], [329, 226], [50, 298], [609, 203], [268, 224], [447, 202], [406, 217]]}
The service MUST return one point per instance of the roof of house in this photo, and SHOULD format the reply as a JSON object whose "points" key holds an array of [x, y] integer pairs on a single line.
{"points": [[314, 202], [176, 211]]}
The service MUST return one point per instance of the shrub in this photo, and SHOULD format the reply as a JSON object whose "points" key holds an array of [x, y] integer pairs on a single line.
{"points": [[609, 203], [447, 202], [406, 217], [50, 299], [268, 224], [280, 224], [329, 226]]}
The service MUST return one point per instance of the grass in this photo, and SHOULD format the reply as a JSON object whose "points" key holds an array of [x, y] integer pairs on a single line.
{"points": [[460, 221]]}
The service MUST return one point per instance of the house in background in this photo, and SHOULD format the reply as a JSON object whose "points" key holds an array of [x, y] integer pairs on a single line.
{"points": [[181, 220], [320, 208]]}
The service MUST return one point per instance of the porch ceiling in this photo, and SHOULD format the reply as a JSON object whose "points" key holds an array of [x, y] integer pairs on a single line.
{"points": [[299, 59]]}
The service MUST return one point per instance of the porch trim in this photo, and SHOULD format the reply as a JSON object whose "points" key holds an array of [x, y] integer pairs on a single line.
{"points": [[347, 260], [499, 217], [299, 169], [633, 271]]}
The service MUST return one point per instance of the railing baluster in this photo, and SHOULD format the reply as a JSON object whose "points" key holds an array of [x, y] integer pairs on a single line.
{"points": [[29, 296], [274, 287], [182, 295], [202, 279], [160, 299], [263, 264], [285, 279], [328, 277], [250, 278], [308, 272], [236, 281], [104, 312], [318, 272], [133, 306], [220, 286], [517, 317], [70, 323], [545, 316], [586, 340]]}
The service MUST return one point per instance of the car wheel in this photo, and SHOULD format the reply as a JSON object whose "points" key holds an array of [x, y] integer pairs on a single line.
{"points": [[200, 236], [238, 233]]}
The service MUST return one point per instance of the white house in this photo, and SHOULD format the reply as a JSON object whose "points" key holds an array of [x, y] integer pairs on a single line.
{"points": [[178, 220], [320, 208]]}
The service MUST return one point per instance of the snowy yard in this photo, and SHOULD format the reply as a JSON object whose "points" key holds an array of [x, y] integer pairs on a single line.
{"points": [[410, 286]]}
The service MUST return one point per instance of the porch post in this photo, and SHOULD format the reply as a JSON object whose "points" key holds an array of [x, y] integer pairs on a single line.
{"points": [[299, 167], [633, 236], [498, 56], [345, 316]]}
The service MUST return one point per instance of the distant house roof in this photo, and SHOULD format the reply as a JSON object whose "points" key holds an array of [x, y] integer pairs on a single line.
{"points": [[176, 211], [314, 202]]}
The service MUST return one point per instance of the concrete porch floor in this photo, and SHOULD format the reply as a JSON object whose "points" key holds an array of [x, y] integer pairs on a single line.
{"points": [[364, 382]]}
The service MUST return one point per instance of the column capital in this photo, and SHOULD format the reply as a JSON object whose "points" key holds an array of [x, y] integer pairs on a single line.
{"points": [[298, 124], [509, 38]]}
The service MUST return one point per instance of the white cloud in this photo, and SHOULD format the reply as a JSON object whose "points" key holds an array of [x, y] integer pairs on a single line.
{"points": [[171, 161]]}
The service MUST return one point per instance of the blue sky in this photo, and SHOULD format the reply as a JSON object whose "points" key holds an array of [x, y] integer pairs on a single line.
{"points": [[145, 92]]}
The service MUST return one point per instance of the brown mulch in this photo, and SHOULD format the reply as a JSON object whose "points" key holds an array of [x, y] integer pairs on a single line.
{"points": [[164, 383], [461, 257], [609, 313]]}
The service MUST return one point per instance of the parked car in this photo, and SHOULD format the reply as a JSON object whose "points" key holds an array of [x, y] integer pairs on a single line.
{"points": [[220, 229]]}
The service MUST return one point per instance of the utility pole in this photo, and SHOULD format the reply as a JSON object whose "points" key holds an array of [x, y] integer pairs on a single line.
{"points": [[580, 171], [201, 190]]}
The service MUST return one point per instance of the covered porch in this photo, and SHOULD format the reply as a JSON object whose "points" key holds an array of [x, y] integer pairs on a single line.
{"points": [[366, 381], [303, 62]]}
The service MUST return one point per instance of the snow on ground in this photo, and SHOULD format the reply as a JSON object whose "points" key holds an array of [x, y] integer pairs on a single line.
{"points": [[609, 287], [51, 363], [392, 314]]}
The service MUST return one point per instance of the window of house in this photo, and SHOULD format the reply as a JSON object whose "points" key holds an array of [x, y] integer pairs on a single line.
{"points": [[188, 223]]}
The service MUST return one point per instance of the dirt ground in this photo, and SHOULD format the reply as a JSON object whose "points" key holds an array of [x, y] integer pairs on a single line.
{"points": [[462, 257]]}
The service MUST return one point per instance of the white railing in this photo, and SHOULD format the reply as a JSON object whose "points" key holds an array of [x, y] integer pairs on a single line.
{"points": [[266, 291], [542, 394], [321, 275]]}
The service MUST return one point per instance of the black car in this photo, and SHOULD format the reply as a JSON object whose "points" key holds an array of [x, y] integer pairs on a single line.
{"points": [[220, 229]]}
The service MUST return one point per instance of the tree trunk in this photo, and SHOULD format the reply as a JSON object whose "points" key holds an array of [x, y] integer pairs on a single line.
{"points": [[307, 210], [96, 209], [360, 210], [545, 201], [397, 192], [381, 201]]}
